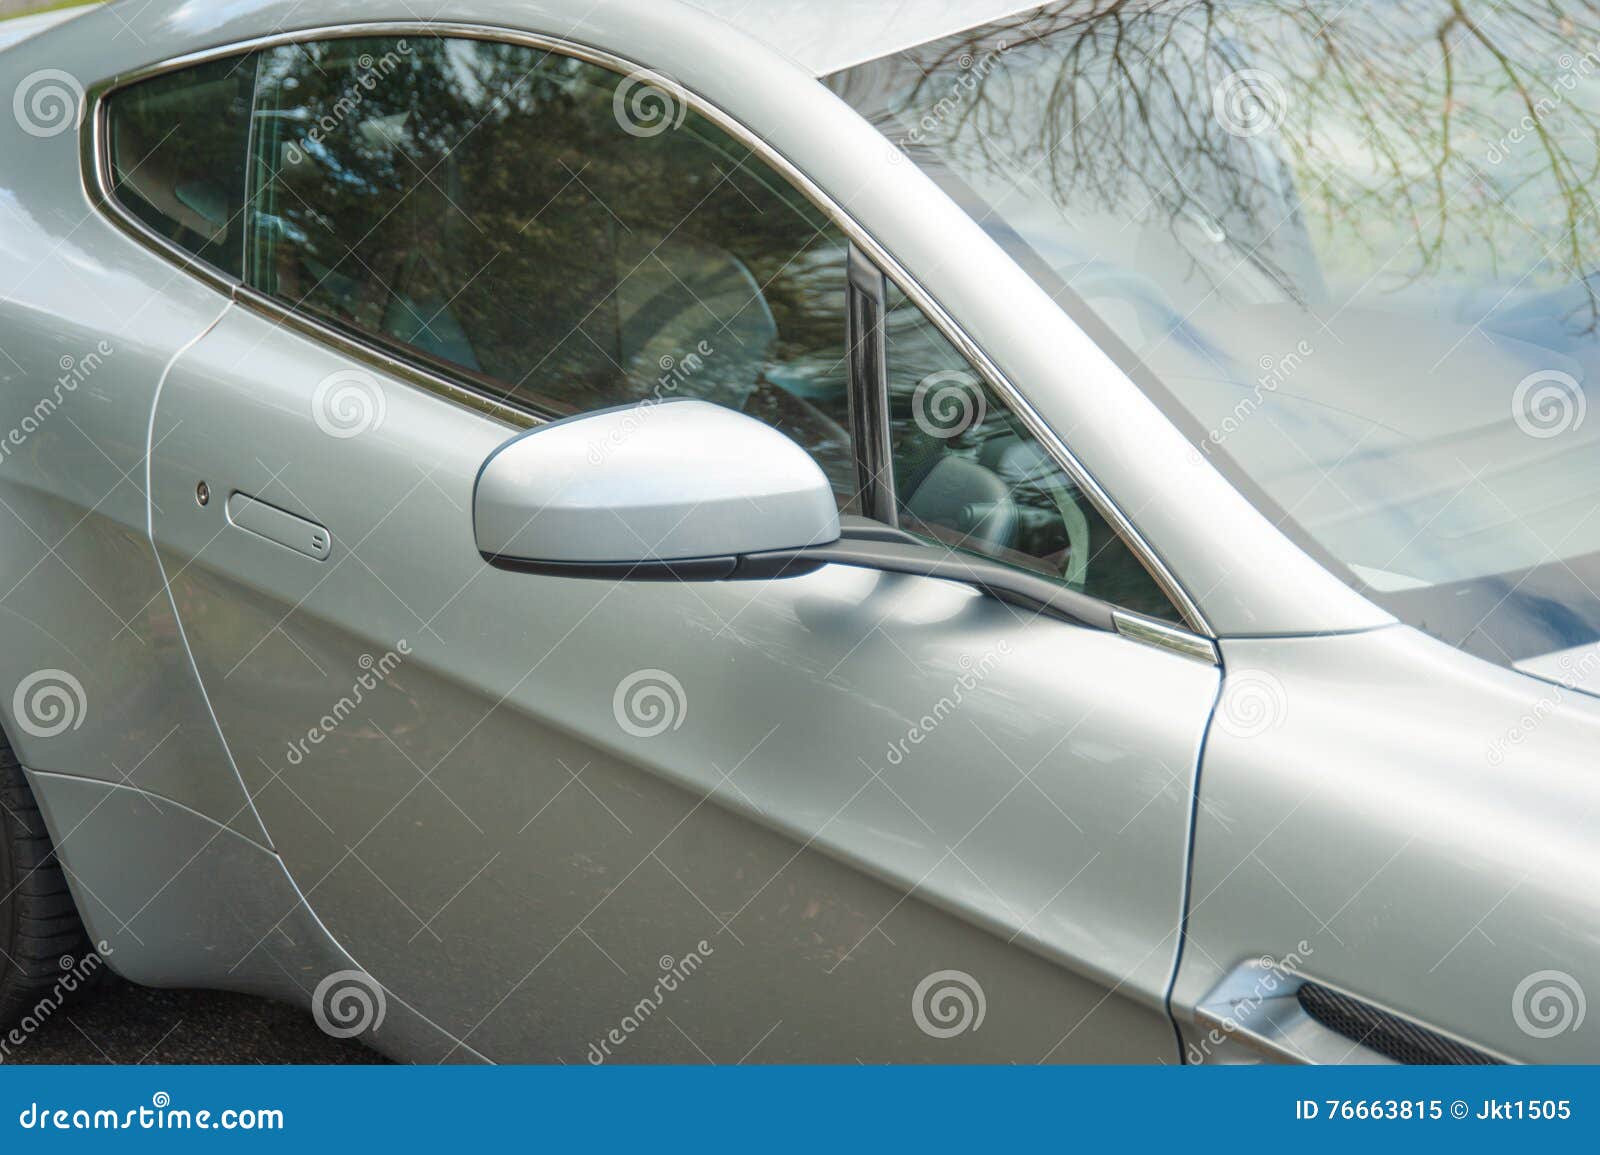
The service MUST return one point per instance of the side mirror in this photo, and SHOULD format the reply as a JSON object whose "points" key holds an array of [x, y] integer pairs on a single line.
{"points": [[680, 489], [683, 490]]}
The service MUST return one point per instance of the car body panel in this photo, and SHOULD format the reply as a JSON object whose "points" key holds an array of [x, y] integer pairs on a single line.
{"points": [[490, 821], [91, 319], [203, 906], [1414, 824]]}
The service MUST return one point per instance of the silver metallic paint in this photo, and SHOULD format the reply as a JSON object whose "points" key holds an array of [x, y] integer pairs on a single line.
{"points": [[446, 806], [1373, 820], [665, 481], [1378, 770]]}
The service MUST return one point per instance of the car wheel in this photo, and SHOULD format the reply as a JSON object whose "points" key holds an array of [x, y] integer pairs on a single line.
{"points": [[40, 933]]}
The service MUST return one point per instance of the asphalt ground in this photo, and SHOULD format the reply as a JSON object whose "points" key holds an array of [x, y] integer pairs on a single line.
{"points": [[118, 1022]]}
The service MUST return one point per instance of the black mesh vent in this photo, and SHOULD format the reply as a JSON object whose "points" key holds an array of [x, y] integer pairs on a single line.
{"points": [[1389, 1035]]}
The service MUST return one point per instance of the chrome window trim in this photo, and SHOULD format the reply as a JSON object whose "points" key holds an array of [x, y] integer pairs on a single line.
{"points": [[1164, 635], [95, 165]]}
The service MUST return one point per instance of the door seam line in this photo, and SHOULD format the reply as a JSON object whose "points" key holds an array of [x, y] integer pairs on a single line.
{"points": [[166, 584]]}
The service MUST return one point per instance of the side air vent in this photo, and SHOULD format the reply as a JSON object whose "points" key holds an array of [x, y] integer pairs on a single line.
{"points": [[1389, 1035]]}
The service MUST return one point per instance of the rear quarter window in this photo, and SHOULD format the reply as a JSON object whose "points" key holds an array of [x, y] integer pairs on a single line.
{"points": [[177, 145]]}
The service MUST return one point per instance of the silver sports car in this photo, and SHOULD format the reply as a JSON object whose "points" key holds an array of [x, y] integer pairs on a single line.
{"points": [[679, 530]]}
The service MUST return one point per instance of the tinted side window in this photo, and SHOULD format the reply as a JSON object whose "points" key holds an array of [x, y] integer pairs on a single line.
{"points": [[568, 237], [969, 474], [178, 144]]}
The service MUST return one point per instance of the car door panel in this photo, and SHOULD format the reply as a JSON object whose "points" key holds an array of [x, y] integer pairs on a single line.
{"points": [[553, 785]]}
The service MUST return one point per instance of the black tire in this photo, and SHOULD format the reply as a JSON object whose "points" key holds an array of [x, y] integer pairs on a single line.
{"points": [[39, 924]]}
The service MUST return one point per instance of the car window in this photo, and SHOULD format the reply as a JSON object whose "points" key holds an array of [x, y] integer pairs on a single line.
{"points": [[967, 473], [177, 153], [566, 237]]}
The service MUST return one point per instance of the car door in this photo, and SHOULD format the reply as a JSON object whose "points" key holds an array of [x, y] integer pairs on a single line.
{"points": [[846, 815]]}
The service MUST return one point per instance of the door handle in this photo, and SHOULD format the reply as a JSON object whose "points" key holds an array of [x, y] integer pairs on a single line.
{"points": [[253, 515]]}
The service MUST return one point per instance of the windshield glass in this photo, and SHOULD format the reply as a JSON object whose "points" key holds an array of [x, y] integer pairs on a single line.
{"points": [[1345, 245]]}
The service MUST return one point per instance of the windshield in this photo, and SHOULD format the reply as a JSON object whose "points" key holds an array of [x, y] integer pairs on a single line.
{"points": [[1346, 245]]}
